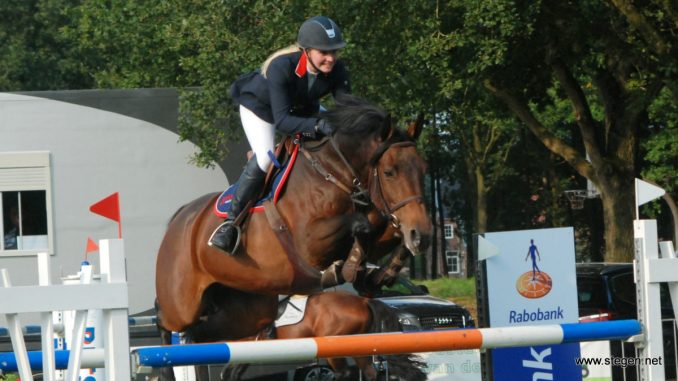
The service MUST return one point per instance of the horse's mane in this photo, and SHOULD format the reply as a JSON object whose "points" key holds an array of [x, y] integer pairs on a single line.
{"points": [[355, 116]]}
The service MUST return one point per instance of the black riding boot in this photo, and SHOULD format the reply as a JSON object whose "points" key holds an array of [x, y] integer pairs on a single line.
{"points": [[227, 236]]}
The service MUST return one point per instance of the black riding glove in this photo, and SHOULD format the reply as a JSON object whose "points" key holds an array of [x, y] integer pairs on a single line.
{"points": [[324, 127]]}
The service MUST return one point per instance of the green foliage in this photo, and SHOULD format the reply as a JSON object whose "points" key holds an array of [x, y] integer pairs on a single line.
{"points": [[450, 288], [34, 52], [439, 58], [661, 148]]}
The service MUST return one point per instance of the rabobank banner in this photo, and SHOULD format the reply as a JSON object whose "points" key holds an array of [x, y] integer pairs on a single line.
{"points": [[531, 280]]}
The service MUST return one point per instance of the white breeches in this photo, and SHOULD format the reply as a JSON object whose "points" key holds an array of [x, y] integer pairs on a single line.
{"points": [[260, 135]]}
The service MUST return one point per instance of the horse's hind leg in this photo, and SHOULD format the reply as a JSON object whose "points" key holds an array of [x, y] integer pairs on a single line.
{"points": [[166, 373], [233, 372], [342, 372], [233, 315], [367, 367], [202, 373]]}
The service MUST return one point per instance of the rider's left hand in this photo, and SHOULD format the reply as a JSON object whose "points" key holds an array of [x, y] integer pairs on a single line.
{"points": [[324, 127]]}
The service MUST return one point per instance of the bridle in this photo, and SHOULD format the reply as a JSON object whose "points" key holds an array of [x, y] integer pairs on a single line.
{"points": [[359, 195], [376, 184]]}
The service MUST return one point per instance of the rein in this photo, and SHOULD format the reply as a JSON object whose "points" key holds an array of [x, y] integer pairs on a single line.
{"points": [[358, 194]]}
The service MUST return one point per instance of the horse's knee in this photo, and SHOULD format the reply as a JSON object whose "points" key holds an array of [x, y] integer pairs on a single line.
{"points": [[360, 225]]}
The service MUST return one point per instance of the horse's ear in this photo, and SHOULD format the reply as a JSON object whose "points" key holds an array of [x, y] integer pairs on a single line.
{"points": [[414, 128], [387, 128]]}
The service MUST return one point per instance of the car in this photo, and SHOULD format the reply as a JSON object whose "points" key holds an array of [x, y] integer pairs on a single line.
{"points": [[417, 310], [607, 291]]}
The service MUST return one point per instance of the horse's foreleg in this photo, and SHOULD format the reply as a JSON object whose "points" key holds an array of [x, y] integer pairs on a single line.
{"points": [[360, 225], [353, 263], [387, 274]]}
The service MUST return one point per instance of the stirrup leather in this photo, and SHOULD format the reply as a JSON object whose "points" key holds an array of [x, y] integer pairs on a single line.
{"points": [[238, 235]]}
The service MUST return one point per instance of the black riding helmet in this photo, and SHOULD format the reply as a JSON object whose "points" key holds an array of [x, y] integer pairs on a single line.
{"points": [[320, 33]]}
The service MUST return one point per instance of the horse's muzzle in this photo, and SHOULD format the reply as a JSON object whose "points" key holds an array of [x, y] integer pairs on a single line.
{"points": [[416, 241]]}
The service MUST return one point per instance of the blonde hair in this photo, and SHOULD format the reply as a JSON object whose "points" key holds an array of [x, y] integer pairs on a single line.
{"points": [[290, 49]]}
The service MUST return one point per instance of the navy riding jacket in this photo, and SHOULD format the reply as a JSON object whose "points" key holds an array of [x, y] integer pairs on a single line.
{"points": [[283, 97]]}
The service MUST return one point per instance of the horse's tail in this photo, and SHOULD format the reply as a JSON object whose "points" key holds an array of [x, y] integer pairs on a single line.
{"points": [[404, 366]]}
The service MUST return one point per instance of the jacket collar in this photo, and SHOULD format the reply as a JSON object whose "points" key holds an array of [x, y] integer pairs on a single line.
{"points": [[301, 69]]}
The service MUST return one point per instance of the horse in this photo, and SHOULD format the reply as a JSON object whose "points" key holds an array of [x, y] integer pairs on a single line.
{"points": [[340, 313], [362, 186]]}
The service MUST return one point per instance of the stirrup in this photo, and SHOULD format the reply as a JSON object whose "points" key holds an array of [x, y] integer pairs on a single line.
{"points": [[237, 239]]}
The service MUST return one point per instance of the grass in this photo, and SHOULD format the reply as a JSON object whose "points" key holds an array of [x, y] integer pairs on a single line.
{"points": [[461, 291]]}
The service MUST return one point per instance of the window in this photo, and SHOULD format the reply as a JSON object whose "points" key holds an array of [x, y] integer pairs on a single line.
{"points": [[25, 203], [452, 258], [448, 231]]}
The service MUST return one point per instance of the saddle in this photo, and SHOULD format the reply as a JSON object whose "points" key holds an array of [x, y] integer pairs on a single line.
{"points": [[291, 309], [276, 177]]}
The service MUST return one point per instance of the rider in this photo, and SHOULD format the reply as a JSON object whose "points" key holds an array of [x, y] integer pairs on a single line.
{"points": [[284, 95]]}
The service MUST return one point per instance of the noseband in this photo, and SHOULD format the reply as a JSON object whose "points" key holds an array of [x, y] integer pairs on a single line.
{"points": [[358, 194]]}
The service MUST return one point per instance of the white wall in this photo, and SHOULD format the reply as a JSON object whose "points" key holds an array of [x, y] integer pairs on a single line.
{"points": [[93, 154]]}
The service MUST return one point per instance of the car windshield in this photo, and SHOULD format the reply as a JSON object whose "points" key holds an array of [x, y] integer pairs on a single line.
{"points": [[590, 293], [401, 286]]}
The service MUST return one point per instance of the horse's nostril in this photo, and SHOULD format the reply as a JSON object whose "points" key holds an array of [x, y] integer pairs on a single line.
{"points": [[416, 237]]}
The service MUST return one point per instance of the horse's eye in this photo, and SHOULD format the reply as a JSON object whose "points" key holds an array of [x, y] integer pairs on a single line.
{"points": [[389, 172]]}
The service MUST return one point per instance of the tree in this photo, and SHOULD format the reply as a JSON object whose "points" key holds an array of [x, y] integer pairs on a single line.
{"points": [[589, 55], [34, 53], [611, 63]]}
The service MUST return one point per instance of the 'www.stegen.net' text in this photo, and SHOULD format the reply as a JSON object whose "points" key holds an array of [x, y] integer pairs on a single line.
{"points": [[619, 361]]}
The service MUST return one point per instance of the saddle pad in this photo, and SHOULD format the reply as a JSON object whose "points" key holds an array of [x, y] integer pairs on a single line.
{"points": [[223, 204], [294, 311]]}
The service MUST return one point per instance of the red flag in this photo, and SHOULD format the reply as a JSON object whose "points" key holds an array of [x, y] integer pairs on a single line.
{"points": [[91, 246], [108, 207]]}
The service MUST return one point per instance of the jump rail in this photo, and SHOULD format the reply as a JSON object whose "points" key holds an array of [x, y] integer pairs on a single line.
{"points": [[380, 344], [280, 351]]}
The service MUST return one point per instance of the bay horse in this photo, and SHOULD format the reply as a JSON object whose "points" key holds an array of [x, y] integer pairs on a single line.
{"points": [[364, 183], [339, 313]]}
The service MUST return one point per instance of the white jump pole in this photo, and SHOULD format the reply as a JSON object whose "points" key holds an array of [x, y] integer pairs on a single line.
{"points": [[647, 294], [79, 324], [115, 320], [17, 336], [47, 322]]}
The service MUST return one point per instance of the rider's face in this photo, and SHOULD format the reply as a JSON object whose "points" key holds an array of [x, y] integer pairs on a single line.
{"points": [[324, 60]]}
